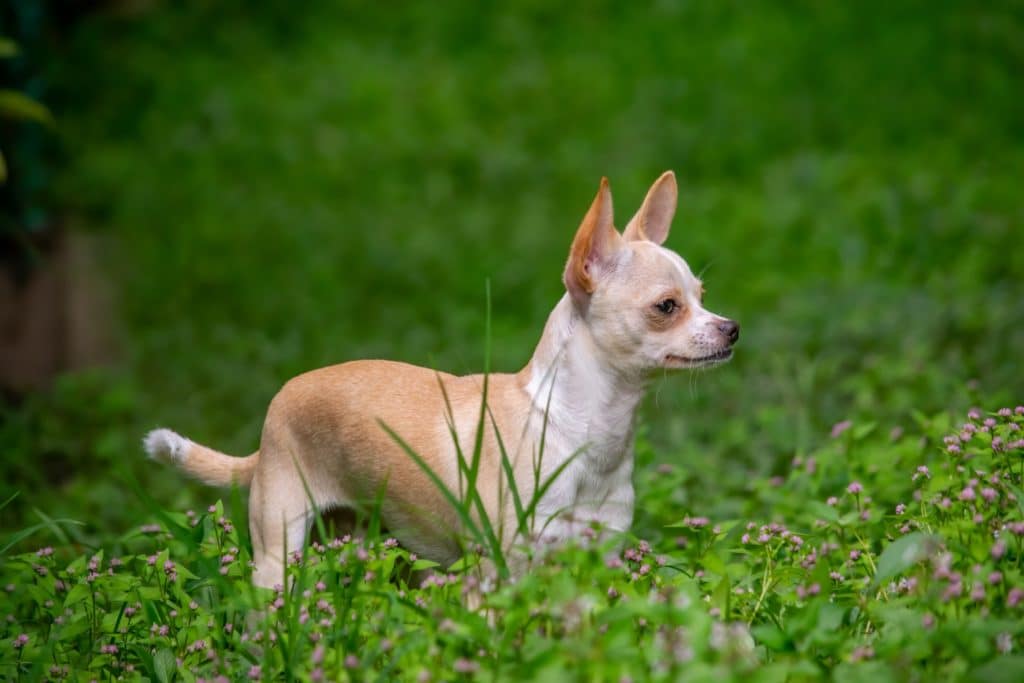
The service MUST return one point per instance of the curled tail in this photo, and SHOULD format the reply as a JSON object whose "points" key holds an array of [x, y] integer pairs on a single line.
{"points": [[205, 464]]}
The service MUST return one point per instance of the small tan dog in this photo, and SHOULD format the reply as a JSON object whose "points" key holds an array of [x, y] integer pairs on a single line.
{"points": [[632, 308]]}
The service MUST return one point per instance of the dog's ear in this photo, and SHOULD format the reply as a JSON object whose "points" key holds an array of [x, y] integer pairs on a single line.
{"points": [[593, 248], [654, 218]]}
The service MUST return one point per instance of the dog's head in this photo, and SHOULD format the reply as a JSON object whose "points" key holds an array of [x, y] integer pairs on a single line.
{"points": [[641, 301]]}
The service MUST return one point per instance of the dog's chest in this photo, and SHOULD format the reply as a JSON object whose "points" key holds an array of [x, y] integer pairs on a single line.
{"points": [[592, 483]]}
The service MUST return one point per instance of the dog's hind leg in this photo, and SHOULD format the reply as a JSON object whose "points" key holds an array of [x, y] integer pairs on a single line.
{"points": [[278, 525]]}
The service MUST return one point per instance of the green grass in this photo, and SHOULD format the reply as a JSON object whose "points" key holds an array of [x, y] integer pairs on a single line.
{"points": [[285, 190]]}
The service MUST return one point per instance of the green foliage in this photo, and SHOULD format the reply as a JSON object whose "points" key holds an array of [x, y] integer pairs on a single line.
{"points": [[912, 570], [296, 189]]}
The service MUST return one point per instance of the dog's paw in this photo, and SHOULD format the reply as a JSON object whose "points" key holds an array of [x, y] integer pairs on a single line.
{"points": [[165, 445]]}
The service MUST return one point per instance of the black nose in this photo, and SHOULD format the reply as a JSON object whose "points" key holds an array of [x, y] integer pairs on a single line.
{"points": [[730, 329]]}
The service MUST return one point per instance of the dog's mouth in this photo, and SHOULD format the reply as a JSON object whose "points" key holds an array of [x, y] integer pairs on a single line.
{"points": [[674, 361]]}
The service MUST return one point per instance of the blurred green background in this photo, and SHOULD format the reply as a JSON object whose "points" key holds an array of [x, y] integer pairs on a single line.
{"points": [[277, 188]]}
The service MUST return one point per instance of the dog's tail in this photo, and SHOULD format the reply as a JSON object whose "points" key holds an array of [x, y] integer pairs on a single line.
{"points": [[205, 464]]}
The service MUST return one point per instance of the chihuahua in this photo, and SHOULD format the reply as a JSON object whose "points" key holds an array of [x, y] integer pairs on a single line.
{"points": [[338, 437]]}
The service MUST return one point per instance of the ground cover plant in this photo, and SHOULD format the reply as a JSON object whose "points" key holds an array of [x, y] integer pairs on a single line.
{"points": [[879, 556], [276, 190]]}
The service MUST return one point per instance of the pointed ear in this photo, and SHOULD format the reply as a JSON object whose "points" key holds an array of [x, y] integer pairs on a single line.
{"points": [[593, 248], [654, 218]]}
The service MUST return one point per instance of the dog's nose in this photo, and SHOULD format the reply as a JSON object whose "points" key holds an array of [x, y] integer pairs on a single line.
{"points": [[731, 330]]}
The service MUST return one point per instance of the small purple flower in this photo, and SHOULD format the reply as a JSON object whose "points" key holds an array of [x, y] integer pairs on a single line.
{"points": [[928, 620], [998, 549], [20, 642], [44, 552], [1014, 597], [967, 494], [900, 508], [832, 501], [854, 555], [995, 578], [255, 672], [855, 488], [922, 471], [351, 662], [989, 494], [978, 592], [745, 539], [989, 422], [974, 414], [612, 593], [465, 666], [1019, 410], [862, 652], [840, 427], [953, 449]]}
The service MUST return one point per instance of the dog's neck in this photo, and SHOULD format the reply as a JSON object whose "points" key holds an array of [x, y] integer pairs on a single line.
{"points": [[587, 400]]}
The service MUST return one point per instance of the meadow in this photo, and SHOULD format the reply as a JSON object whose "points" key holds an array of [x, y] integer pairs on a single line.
{"points": [[279, 190]]}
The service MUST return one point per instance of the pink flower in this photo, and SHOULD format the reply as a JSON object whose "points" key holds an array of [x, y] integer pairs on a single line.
{"points": [[840, 427], [20, 642], [465, 666], [1014, 597], [696, 522], [832, 501], [855, 487], [967, 494]]}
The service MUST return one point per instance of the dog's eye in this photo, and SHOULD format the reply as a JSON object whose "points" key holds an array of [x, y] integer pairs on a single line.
{"points": [[667, 306]]}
